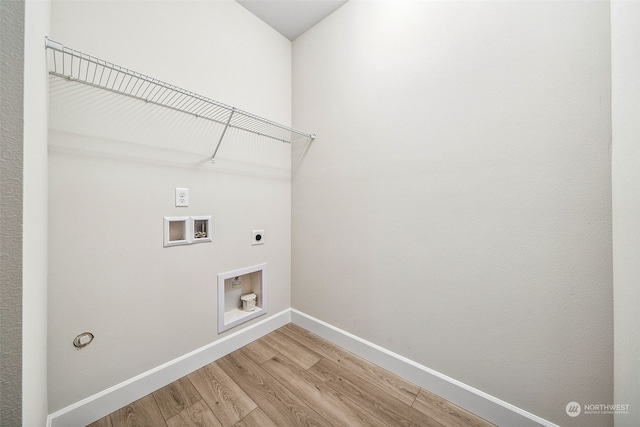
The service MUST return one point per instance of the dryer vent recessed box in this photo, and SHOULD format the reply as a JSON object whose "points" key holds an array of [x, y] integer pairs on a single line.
{"points": [[232, 286]]}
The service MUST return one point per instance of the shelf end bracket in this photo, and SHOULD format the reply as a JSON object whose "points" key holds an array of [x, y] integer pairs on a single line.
{"points": [[213, 158]]}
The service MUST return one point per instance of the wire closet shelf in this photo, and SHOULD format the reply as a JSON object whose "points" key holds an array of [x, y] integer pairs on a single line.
{"points": [[86, 69]]}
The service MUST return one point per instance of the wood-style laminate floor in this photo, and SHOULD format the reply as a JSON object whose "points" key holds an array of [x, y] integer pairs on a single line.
{"points": [[290, 377]]}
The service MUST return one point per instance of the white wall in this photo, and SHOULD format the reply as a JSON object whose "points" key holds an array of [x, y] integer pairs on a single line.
{"points": [[456, 206], [625, 41], [34, 274], [114, 165]]}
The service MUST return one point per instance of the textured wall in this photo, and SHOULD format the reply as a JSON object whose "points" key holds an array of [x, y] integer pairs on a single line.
{"points": [[114, 165], [456, 206], [625, 41], [11, 160]]}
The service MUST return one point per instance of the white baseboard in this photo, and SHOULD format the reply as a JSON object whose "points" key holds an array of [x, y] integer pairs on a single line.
{"points": [[97, 406], [482, 404]]}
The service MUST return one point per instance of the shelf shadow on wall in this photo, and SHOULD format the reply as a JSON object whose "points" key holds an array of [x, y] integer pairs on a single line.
{"points": [[92, 121]]}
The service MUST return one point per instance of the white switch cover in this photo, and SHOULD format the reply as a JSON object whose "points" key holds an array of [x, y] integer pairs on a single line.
{"points": [[182, 197]]}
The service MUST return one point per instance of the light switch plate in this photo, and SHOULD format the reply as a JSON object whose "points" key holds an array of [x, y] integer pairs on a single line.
{"points": [[182, 197]]}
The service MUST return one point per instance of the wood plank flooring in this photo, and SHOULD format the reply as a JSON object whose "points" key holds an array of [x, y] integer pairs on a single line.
{"points": [[290, 377]]}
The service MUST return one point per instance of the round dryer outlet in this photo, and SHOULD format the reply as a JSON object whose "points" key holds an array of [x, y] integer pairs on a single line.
{"points": [[257, 237]]}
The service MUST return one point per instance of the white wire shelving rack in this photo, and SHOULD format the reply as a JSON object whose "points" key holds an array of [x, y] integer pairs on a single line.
{"points": [[86, 69]]}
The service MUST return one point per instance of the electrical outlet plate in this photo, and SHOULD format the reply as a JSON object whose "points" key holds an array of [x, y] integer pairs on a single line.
{"points": [[257, 237], [182, 197]]}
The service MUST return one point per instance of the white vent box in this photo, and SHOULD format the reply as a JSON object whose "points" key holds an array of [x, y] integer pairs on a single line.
{"points": [[241, 296]]}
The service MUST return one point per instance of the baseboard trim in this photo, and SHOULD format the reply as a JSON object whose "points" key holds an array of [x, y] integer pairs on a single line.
{"points": [[482, 404], [97, 406]]}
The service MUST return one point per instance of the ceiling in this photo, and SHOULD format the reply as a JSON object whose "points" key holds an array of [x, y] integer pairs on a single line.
{"points": [[291, 18]]}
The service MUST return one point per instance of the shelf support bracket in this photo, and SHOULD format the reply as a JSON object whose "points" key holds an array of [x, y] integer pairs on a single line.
{"points": [[226, 126]]}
